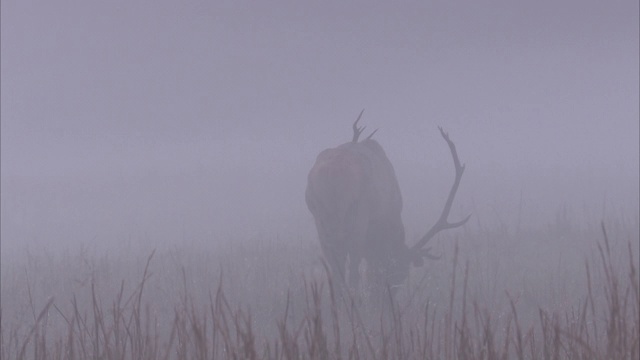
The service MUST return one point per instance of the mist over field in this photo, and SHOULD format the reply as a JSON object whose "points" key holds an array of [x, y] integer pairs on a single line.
{"points": [[133, 126], [159, 123]]}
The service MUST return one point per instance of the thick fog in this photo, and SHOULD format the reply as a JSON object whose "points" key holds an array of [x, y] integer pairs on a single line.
{"points": [[150, 124]]}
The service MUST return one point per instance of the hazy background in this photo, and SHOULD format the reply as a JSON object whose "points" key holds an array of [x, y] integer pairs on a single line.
{"points": [[145, 124]]}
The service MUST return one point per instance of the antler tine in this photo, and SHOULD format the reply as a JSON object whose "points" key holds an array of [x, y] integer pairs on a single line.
{"points": [[452, 147], [371, 135], [443, 223], [356, 129]]}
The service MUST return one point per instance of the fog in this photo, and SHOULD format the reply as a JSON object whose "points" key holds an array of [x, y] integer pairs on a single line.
{"points": [[152, 124]]}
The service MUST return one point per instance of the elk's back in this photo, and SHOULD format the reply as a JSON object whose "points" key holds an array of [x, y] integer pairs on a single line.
{"points": [[353, 188]]}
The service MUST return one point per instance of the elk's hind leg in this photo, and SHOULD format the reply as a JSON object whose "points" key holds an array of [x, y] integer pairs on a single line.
{"points": [[354, 271], [336, 256], [358, 219]]}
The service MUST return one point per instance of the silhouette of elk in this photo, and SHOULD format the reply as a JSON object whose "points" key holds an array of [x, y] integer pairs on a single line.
{"points": [[353, 194]]}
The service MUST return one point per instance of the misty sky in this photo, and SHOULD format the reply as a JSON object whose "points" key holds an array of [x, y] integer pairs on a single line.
{"points": [[150, 119]]}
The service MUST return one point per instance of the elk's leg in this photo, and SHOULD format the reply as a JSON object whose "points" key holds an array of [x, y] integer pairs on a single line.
{"points": [[358, 218], [354, 270], [337, 258]]}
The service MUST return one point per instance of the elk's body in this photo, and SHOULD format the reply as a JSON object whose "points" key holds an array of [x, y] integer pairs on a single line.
{"points": [[353, 194], [355, 199]]}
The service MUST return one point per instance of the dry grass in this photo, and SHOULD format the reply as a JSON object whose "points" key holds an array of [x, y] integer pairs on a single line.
{"points": [[177, 315]]}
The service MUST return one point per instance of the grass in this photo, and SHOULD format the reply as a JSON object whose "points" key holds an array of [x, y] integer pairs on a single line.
{"points": [[245, 302]]}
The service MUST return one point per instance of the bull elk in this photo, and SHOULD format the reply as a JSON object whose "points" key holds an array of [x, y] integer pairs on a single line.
{"points": [[353, 194]]}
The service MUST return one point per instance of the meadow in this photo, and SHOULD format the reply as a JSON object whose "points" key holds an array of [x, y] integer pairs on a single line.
{"points": [[561, 291]]}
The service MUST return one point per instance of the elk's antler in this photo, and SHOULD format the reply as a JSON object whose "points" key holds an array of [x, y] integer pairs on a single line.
{"points": [[356, 129], [371, 135], [443, 223]]}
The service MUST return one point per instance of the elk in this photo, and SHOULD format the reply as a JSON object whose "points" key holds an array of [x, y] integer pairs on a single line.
{"points": [[353, 194]]}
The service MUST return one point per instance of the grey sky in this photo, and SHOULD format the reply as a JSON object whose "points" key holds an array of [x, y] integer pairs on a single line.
{"points": [[206, 114]]}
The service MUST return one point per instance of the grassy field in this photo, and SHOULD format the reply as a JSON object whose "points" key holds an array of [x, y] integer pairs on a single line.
{"points": [[561, 292]]}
